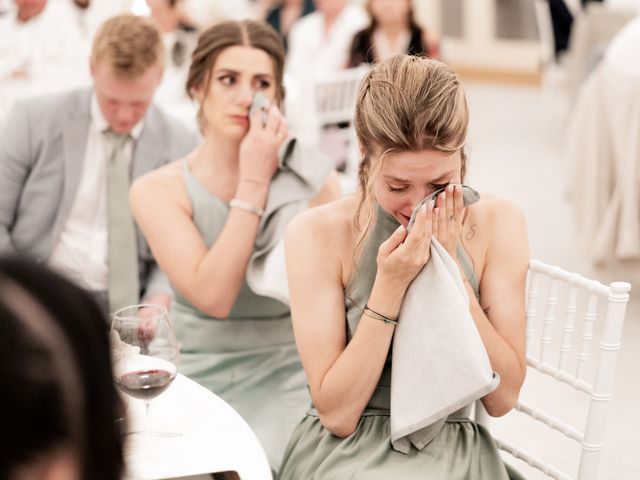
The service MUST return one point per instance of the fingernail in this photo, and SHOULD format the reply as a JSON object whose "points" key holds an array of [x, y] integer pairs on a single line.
{"points": [[431, 203], [450, 188], [400, 229]]}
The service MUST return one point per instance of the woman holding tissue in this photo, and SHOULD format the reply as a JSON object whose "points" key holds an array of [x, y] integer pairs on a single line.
{"points": [[350, 264], [219, 204]]}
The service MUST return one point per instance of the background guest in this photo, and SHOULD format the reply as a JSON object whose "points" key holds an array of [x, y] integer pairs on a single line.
{"points": [[393, 30], [319, 42], [66, 162], [234, 341]]}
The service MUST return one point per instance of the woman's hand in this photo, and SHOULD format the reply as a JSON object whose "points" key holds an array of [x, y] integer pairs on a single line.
{"points": [[259, 148], [447, 219], [402, 255]]}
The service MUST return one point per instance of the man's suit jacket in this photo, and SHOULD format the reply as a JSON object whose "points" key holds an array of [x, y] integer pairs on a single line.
{"points": [[42, 147]]}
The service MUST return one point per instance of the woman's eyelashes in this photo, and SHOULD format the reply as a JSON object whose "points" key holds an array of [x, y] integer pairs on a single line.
{"points": [[227, 80], [397, 189], [263, 84], [404, 188]]}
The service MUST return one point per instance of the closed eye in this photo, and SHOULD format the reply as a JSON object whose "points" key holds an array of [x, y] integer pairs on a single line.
{"points": [[396, 189]]}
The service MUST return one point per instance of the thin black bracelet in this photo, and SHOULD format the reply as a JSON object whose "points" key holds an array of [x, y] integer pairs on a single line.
{"points": [[378, 316]]}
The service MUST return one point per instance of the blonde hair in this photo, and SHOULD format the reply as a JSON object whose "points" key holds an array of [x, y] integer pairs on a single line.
{"points": [[131, 44], [407, 103]]}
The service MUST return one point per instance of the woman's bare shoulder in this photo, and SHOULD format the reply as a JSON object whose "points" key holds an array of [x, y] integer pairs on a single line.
{"points": [[495, 211], [325, 230], [164, 184], [165, 175], [329, 221]]}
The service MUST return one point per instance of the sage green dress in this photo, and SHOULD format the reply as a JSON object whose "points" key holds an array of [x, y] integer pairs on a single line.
{"points": [[248, 359], [463, 450]]}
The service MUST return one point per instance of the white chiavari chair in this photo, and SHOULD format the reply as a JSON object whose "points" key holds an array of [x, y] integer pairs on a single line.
{"points": [[552, 350]]}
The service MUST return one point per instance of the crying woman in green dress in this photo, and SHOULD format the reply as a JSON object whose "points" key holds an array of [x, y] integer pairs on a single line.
{"points": [[214, 205], [350, 264]]}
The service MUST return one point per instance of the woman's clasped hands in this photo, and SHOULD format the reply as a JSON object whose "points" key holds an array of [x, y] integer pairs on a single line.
{"points": [[403, 255]]}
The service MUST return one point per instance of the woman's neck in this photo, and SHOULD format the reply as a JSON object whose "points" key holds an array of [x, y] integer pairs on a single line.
{"points": [[216, 164], [393, 30]]}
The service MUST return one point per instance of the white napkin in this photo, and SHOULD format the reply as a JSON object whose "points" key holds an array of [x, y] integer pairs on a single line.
{"points": [[301, 175], [439, 363]]}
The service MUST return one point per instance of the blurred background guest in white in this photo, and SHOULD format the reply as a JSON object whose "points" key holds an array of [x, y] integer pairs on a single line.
{"points": [[393, 30], [318, 47], [66, 161], [41, 48], [180, 37], [319, 42]]}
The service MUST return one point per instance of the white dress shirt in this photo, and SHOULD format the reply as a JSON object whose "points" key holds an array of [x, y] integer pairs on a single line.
{"points": [[81, 252], [312, 50], [49, 44]]}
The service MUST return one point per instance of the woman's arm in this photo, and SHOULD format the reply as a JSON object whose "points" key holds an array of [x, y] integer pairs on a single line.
{"points": [[500, 315], [342, 377], [209, 277]]}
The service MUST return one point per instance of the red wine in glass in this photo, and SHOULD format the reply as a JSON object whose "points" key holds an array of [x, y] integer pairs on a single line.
{"points": [[145, 384]]}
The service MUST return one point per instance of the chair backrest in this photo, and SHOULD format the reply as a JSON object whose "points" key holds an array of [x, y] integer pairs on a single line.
{"points": [[335, 94], [552, 351]]}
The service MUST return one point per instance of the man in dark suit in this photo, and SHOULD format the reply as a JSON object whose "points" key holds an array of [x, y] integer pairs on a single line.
{"points": [[66, 162]]}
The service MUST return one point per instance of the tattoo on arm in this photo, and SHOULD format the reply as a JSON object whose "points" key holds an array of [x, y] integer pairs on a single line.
{"points": [[471, 233]]}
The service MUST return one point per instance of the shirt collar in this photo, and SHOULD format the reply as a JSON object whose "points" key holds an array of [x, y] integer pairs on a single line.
{"points": [[101, 123]]}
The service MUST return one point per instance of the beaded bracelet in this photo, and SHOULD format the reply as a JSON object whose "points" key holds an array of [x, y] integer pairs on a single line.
{"points": [[246, 206], [378, 316]]}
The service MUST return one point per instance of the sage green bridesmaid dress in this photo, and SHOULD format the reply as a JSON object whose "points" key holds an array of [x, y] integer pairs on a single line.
{"points": [[463, 450], [248, 359]]}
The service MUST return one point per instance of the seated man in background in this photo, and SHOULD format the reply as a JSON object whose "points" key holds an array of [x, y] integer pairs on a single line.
{"points": [[66, 162]]}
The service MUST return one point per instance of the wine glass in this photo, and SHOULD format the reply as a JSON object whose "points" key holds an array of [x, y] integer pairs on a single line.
{"points": [[145, 354]]}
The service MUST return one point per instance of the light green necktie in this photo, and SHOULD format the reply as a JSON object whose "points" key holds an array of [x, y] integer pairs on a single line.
{"points": [[124, 288]]}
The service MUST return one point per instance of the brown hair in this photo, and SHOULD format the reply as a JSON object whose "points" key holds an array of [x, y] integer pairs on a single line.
{"points": [[229, 34], [408, 103], [131, 44]]}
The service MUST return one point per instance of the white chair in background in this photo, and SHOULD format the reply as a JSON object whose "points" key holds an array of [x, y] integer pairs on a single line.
{"points": [[333, 99], [555, 356]]}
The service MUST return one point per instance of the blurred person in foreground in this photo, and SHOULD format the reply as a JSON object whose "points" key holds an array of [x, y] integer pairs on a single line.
{"points": [[59, 403], [66, 162], [393, 31], [221, 203]]}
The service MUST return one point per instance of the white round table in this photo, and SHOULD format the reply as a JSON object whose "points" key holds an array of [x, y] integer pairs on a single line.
{"points": [[213, 438]]}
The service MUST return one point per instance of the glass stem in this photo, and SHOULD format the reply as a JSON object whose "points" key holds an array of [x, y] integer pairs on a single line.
{"points": [[148, 417]]}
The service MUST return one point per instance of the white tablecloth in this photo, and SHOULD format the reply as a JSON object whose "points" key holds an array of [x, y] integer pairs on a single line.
{"points": [[214, 438], [603, 148]]}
